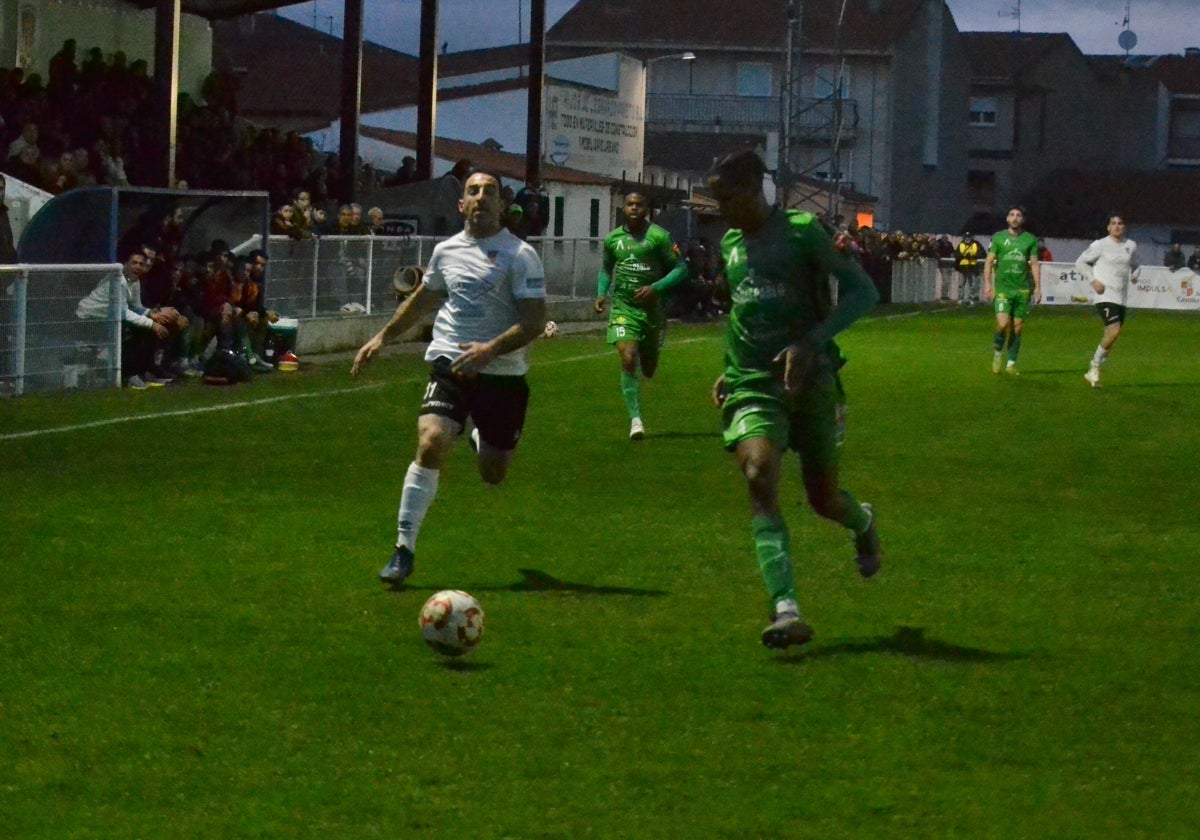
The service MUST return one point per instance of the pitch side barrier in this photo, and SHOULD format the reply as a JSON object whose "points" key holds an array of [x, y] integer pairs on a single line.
{"points": [[354, 275], [44, 346], [1157, 287]]}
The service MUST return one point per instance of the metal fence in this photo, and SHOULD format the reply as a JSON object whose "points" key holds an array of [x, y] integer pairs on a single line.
{"points": [[43, 345], [339, 275]]}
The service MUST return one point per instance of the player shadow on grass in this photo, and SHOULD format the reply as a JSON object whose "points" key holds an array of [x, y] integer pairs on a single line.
{"points": [[907, 641], [463, 664], [535, 580]]}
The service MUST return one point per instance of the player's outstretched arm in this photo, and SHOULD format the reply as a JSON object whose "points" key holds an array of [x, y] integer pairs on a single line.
{"points": [[411, 310]]}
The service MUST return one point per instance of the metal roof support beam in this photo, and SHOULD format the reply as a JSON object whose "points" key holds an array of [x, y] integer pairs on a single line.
{"points": [[427, 89], [166, 90], [352, 51], [537, 77]]}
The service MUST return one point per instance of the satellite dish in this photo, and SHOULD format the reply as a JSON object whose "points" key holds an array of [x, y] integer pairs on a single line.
{"points": [[1127, 40]]}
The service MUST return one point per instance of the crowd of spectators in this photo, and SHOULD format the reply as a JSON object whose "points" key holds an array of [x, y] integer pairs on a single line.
{"points": [[200, 315], [86, 124]]}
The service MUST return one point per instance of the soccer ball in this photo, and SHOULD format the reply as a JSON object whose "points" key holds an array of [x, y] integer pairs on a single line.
{"points": [[551, 330], [452, 622]]}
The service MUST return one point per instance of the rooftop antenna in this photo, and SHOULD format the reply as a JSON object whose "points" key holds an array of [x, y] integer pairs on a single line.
{"points": [[317, 18], [1014, 12], [1127, 40]]}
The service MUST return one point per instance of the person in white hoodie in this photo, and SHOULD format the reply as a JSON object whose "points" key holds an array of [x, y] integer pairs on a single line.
{"points": [[1111, 264], [143, 331]]}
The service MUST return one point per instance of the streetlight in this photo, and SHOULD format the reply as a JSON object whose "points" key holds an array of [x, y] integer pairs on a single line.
{"points": [[687, 56]]}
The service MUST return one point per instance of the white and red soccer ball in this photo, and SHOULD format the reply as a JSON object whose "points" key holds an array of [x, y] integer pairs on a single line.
{"points": [[551, 330], [452, 622]]}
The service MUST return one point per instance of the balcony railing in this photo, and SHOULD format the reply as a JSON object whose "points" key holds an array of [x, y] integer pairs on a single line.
{"points": [[683, 112]]}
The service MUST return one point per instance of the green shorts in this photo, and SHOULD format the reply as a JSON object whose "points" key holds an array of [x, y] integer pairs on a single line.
{"points": [[629, 323], [813, 423], [1015, 304]]}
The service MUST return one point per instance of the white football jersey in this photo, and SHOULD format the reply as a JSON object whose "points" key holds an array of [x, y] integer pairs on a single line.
{"points": [[1113, 263], [483, 279]]}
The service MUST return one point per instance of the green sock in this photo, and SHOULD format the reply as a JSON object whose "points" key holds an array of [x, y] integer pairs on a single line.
{"points": [[1014, 347], [629, 390], [998, 342], [773, 548], [856, 519]]}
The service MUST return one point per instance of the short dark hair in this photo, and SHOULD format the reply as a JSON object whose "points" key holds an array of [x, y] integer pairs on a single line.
{"points": [[489, 173], [742, 168], [256, 253]]}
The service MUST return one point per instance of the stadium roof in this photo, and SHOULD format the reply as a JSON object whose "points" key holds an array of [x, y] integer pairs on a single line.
{"points": [[482, 156], [221, 9], [732, 24]]}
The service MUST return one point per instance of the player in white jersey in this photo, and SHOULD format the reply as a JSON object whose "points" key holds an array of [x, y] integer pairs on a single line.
{"points": [[1112, 264], [490, 290]]}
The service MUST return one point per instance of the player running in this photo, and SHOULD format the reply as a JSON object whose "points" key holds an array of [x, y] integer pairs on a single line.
{"points": [[1112, 264], [781, 388], [489, 290], [640, 264], [1012, 261]]}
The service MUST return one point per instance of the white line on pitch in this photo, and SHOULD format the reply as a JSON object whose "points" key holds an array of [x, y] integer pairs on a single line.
{"points": [[185, 412]]}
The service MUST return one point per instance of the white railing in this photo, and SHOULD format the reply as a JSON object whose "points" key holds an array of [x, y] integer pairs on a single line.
{"points": [[345, 275], [43, 345]]}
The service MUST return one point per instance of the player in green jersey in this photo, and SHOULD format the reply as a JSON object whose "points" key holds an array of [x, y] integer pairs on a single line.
{"points": [[780, 388], [1012, 261], [640, 265]]}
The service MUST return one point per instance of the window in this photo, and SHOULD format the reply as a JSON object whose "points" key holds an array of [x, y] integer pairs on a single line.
{"points": [[594, 221], [982, 111], [754, 78], [559, 214]]}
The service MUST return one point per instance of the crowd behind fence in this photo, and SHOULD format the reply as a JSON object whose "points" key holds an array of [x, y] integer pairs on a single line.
{"points": [[332, 275], [45, 347]]}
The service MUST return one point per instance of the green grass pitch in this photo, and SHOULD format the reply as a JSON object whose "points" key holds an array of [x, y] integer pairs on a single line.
{"points": [[194, 642]]}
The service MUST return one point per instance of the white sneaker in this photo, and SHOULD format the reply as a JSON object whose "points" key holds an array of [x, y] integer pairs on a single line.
{"points": [[1011, 369], [636, 430], [1093, 376], [997, 361]]}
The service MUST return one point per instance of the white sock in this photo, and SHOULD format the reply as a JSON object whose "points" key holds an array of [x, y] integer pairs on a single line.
{"points": [[1099, 357], [420, 486]]}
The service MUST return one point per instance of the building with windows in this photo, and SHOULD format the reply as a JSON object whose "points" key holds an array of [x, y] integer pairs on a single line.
{"points": [[872, 101], [1073, 137]]}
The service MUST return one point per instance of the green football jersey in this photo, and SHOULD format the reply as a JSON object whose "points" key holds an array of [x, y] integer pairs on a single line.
{"points": [[1013, 253], [636, 261], [780, 291]]}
